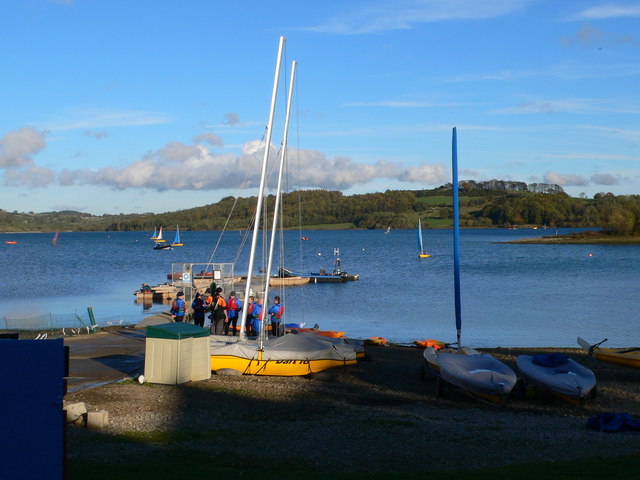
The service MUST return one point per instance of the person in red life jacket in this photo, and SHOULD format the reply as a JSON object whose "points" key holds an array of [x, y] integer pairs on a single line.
{"points": [[198, 306], [275, 312], [234, 305], [178, 308], [249, 320]]}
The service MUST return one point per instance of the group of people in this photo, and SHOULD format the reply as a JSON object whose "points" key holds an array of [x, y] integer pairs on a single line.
{"points": [[224, 313]]}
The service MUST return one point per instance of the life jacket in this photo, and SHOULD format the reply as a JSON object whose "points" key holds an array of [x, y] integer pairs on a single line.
{"points": [[280, 312], [177, 308], [198, 305], [232, 303], [250, 310]]}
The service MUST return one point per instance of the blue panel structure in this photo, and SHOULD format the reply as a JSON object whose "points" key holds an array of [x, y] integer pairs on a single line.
{"points": [[32, 423]]}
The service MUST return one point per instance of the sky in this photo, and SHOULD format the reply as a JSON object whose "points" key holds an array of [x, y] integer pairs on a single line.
{"points": [[123, 106]]}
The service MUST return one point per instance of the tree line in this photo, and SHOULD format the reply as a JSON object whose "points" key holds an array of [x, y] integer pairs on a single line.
{"points": [[480, 206]]}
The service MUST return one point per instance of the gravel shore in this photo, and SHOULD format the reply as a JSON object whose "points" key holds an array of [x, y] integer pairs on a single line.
{"points": [[376, 416]]}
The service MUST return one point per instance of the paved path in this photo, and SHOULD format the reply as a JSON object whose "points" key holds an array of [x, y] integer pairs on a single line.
{"points": [[104, 357], [109, 355]]}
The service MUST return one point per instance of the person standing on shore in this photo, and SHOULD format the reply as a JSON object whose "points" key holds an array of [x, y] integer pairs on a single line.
{"points": [[178, 308], [256, 322], [234, 305], [198, 306], [218, 314], [248, 328], [275, 312]]}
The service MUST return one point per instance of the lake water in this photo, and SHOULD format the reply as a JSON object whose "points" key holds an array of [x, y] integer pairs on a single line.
{"points": [[512, 295]]}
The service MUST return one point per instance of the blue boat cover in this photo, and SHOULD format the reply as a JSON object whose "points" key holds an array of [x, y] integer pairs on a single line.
{"points": [[550, 359], [614, 422]]}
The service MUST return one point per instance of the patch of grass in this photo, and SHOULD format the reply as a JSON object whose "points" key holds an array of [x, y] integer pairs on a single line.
{"points": [[181, 464], [391, 422]]}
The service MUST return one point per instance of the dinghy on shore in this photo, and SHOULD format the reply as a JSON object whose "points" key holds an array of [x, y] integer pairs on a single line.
{"points": [[558, 375], [479, 375], [629, 357]]}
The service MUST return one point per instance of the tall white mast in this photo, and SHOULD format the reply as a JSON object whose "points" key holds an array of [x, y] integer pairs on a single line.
{"points": [[276, 209], [267, 143]]}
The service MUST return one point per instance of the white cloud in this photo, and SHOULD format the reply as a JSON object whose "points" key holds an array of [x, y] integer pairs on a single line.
{"points": [[577, 106], [17, 146], [97, 134], [93, 118], [383, 16], [426, 174], [604, 179], [569, 180], [610, 11], [210, 138], [193, 167], [31, 177], [231, 118]]}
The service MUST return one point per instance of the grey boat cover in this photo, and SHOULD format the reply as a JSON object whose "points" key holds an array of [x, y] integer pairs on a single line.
{"points": [[288, 347], [569, 378], [477, 373]]}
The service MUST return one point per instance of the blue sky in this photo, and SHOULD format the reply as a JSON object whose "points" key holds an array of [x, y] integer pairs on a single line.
{"points": [[127, 106]]}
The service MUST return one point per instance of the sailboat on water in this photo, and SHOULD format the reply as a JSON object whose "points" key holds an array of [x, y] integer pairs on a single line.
{"points": [[154, 236], [176, 241], [160, 242], [475, 373], [291, 354], [423, 253], [54, 240]]}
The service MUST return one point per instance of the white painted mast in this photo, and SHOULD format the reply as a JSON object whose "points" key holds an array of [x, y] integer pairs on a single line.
{"points": [[277, 207], [256, 227]]}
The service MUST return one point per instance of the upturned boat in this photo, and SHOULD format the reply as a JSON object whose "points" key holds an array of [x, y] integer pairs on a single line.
{"points": [[558, 375]]}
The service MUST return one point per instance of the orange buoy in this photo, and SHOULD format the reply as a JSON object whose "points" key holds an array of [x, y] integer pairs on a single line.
{"points": [[11, 242]]}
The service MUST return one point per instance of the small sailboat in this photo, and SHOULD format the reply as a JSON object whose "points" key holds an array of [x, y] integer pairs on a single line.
{"points": [[159, 238], [423, 252], [388, 230], [154, 236], [176, 240], [160, 242], [477, 374], [54, 240]]}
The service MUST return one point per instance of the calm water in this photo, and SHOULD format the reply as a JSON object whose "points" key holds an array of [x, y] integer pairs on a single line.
{"points": [[512, 295]]}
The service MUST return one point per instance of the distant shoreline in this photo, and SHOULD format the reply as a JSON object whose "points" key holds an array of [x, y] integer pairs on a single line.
{"points": [[582, 238]]}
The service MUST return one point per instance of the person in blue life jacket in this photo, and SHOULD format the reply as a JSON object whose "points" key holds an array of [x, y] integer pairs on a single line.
{"points": [[275, 312], [256, 316], [178, 308], [199, 307], [234, 305]]}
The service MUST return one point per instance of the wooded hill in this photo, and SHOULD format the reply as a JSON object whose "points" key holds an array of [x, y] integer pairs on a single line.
{"points": [[482, 204]]}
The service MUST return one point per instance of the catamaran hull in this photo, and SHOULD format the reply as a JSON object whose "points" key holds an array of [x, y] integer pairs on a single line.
{"points": [[288, 356], [279, 368]]}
